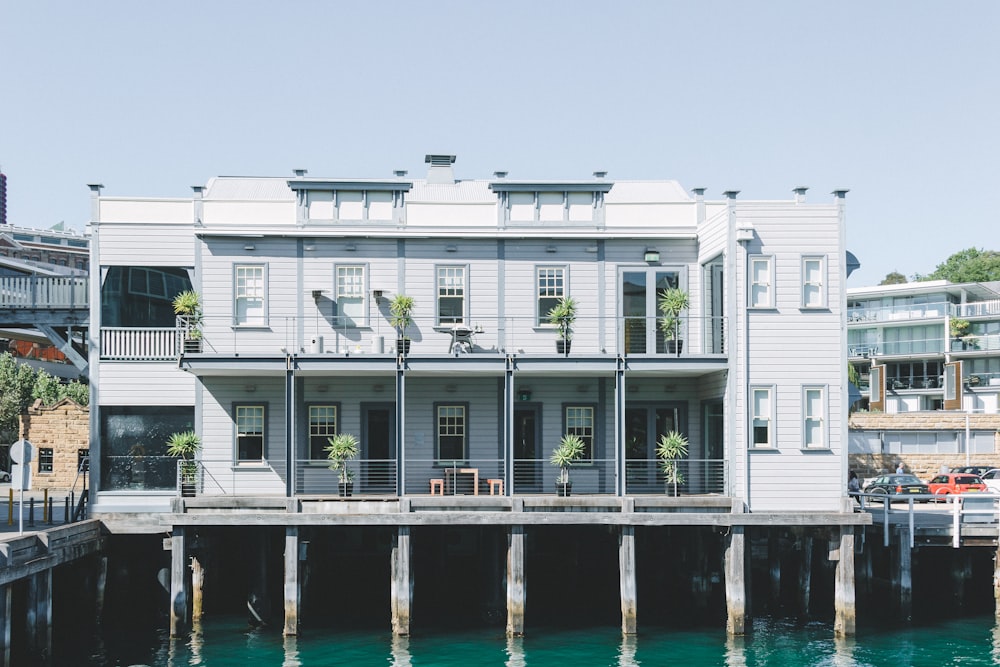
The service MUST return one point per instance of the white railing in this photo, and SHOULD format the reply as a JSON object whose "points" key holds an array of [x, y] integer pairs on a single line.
{"points": [[44, 292], [962, 508], [978, 309], [142, 344]]}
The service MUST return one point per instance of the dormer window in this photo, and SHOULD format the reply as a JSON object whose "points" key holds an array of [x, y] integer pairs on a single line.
{"points": [[551, 203], [351, 202]]}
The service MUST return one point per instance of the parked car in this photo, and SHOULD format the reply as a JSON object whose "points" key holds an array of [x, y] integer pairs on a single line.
{"points": [[991, 478], [898, 485], [4, 476], [944, 485], [972, 470]]}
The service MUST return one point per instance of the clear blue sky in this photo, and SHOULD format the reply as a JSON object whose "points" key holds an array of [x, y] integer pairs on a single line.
{"points": [[897, 101]]}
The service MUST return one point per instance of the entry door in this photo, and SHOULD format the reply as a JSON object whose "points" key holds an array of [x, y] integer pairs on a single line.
{"points": [[639, 290], [644, 424], [378, 448], [527, 467]]}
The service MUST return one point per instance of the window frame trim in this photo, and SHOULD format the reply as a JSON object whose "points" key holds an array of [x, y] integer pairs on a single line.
{"points": [[772, 432], [565, 291], [451, 463], [466, 305], [824, 418], [823, 284], [250, 463], [584, 461], [336, 405], [751, 260], [365, 295], [264, 288]]}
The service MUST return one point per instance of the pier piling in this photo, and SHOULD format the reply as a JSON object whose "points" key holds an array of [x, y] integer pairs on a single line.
{"points": [[736, 594], [178, 583], [401, 589], [805, 573], [845, 610], [626, 572], [291, 589], [515, 581], [5, 619]]}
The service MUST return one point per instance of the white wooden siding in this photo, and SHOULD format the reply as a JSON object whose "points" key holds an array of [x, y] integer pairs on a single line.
{"points": [[133, 383]]}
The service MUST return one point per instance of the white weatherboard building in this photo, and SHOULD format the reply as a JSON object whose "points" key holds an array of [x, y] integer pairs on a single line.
{"points": [[297, 275]]}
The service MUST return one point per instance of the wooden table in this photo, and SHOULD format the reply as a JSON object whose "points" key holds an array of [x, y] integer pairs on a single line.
{"points": [[451, 478]]}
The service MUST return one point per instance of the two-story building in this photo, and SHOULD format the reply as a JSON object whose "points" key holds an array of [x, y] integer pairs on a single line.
{"points": [[295, 343]]}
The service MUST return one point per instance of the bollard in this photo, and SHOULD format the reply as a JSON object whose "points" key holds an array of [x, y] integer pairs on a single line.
{"points": [[66, 517], [49, 506], [10, 508], [31, 512], [45, 506]]}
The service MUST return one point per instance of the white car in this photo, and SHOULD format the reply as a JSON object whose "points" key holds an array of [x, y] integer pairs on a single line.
{"points": [[4, 476], [992, 480]]}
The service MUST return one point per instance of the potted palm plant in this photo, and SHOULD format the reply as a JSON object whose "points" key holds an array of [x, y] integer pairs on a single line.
{"points": [[187, 308], [570, 450], [185, 445], [563, 314], [342, 448], [671, 447], [400, 317], [672, 302]]}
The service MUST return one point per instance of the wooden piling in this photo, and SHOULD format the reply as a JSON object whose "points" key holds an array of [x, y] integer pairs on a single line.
{"points": [[5, 620], [845, 609], [100, 587], [515, 581], [401, 587], [197, 588], [39, 615], [774, 567], [178, 583], [905, 574], [258, 596], [736, 594], [805, 573], [291, 589], [626, 573]]}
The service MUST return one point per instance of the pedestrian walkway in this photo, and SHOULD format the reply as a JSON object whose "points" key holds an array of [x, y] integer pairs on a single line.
{"points": [[35, 515]]}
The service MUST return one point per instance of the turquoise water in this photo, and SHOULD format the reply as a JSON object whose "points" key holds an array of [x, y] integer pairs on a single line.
{"points": [[229, 642]]}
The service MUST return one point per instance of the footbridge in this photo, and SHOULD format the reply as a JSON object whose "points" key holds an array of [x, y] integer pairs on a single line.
{"points": [[54, 305]]}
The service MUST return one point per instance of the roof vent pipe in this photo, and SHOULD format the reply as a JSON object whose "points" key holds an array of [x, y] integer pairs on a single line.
{"points": [[800, 194], [440, 172], [399, 173], [699, 204], [299, 173], [500, 174], [600, 174]]}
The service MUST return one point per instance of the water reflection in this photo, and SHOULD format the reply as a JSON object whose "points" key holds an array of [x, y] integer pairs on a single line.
{"points": [[736, 655], [401, 651], [291, 653], [995, 648], [626, 652], [843, 655], [515, 652]]}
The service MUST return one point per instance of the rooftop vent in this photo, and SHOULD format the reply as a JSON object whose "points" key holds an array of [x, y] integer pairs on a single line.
{"points": [[440, 172]]}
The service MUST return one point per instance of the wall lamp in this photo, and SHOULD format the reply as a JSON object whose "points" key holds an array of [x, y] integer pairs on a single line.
{"points": [[550, 248], [249, 246], [451, 248], [524, 394], [250, 388], [377, 293], [350, 247], [652, 255]]}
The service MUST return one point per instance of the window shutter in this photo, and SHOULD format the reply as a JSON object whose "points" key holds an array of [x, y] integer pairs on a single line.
{"points": [[953, 386]]}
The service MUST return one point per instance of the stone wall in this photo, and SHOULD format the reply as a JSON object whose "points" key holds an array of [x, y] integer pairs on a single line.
{"points": [[924, 466], [64, 428]]}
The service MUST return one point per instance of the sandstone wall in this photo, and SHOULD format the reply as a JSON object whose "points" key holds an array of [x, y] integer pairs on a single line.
{"points": [[64, 428]]}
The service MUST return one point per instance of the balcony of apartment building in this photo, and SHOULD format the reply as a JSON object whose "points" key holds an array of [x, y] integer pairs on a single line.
{"points": [[868, 314]]}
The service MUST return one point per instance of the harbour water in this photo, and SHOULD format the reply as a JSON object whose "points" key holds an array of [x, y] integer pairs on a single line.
{"points": [[229, 642]]}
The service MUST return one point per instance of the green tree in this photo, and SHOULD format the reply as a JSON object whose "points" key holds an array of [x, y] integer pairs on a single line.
{"points": [[20, 385], [894, 278], [968, 266]]}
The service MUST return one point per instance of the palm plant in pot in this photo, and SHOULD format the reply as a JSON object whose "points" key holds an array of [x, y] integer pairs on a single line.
{"points": [[671, 447], [562, 315], [342, 448], [400, 317], [672, 302], [185, 445], [570, 450], [187, 308]]}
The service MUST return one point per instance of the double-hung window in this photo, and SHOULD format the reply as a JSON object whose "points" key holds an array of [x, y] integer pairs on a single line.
{"points": [[249, 433], [351, 295], [451, 294], [551, 287], [45, 459], [762, 427], [813, 282], [452, 431], [250, 295], [322, 426], [813, 417], [761, 280], [580, 422]]}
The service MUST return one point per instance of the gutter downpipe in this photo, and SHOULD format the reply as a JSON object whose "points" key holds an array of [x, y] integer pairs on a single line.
{"points": [[744, 295]]}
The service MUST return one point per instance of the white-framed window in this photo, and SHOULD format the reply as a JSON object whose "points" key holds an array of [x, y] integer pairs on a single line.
{"points": [[450, 294], [351, 205], [322, 425], [350, 295], [452, 431], [580, 422], [550, 207], [813, 282], [46, 457], [250, 430], [762, 417], [550, 286], [250, 295], [814, 417], [761, 281]]}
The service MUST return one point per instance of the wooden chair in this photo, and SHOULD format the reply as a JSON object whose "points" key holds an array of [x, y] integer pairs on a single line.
{"points": [[496, 485], [438, 484]]}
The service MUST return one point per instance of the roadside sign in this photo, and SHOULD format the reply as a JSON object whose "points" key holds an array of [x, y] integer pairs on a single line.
{"points": [[21, 451]]}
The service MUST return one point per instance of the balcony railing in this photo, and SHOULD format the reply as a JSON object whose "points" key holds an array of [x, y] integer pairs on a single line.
{"points": [[870, 314], [978, 309], [423, 477], [44, 291], [635, 336]]}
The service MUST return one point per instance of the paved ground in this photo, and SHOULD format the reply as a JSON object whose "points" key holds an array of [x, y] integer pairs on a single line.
{"points": [[10, 519]]}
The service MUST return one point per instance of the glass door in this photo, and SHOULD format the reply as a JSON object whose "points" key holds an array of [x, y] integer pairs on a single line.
{"points": [[639, 290], [644, 424]]}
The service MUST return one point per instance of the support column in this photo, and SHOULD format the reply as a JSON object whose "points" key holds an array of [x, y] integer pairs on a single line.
{"points": [[996, 583], [736, 594], [515, 581], [258, 596], [100, 587], [197, 588], [961, 572], [5, 618], [905, 575], [774, 567], [805, 574], [401, 587], [291, 580], [178, 583], [39, 616], [845, 609], [626, 573]]}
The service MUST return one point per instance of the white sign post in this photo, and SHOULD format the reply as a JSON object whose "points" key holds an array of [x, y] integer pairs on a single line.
{"points": [[21, 453]]}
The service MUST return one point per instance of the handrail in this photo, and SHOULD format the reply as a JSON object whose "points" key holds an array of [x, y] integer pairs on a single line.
{"points": [[957, 510]]}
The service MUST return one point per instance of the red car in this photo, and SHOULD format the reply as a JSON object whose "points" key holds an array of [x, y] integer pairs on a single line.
{"points": [[943, 485]]}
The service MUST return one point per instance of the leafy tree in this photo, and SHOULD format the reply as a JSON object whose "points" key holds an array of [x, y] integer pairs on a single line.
{"points": [[20, 384], [894, 278], [968, 266]]}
